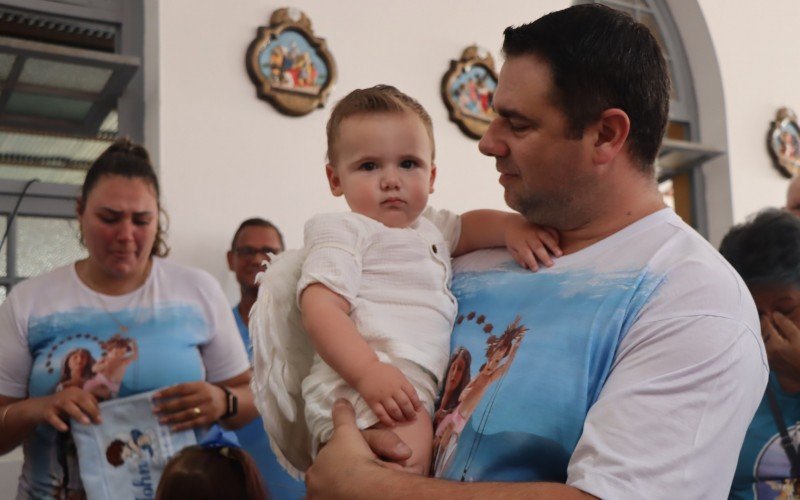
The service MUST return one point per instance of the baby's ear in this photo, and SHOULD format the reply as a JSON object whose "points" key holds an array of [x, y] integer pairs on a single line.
{"points": [[333, 180], [433, 177]]}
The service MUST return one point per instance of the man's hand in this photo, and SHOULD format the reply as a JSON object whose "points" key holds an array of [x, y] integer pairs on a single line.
{"points": [[346, 459], [388, 393]]}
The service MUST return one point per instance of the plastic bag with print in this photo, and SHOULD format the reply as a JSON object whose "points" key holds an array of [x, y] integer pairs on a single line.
{"points": [[123, 457]]}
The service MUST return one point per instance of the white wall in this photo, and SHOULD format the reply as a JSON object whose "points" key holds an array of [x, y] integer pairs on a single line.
{"points": [[758, 65], [226, 155]]}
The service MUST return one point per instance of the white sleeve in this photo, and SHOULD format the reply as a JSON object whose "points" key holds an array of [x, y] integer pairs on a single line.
{"points": [[448, 223], [224, 356], [671, 417], [15, 356], [335, 246]]}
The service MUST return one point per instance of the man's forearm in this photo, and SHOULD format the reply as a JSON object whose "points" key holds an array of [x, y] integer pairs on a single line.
{"points": [[395, 485], [348, 467]]}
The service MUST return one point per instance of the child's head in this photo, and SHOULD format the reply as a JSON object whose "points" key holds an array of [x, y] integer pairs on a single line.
{"points": [[380, 154], [200, 473], [380, 99]]}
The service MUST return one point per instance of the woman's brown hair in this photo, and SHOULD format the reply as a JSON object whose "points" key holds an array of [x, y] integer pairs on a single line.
{"points": [[127, 159]]}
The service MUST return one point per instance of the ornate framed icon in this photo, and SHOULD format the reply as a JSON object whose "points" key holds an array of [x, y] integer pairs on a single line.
{"points": [[290, 67], [467, 90], [783, 142]]}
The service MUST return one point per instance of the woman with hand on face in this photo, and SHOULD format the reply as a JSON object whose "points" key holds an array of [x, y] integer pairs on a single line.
{"points": [[765, 251], [124, 293]]}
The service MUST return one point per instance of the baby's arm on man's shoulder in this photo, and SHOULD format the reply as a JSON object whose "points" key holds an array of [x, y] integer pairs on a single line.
{"points": [[528, 243]]}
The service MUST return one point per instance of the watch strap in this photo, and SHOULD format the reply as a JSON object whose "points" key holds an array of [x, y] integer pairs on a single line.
{"points": [[231, 403]]}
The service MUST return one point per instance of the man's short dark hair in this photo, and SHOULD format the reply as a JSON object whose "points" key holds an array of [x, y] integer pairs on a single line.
{"points": [[258, 222], [601, 58], [765, 250]]}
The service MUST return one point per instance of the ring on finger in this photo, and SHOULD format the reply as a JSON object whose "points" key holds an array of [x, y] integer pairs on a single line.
{"points": [[197, 411]]}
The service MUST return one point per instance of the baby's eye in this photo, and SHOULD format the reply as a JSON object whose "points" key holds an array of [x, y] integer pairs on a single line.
{"points": [[408, 164], [368, 166]]}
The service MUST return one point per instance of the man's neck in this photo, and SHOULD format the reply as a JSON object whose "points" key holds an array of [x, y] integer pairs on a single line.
{"points": [[612, 218], [246, 303]]}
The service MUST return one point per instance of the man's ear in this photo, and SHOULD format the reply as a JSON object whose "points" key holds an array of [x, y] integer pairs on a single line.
{"points": [[612, 131], [433, 177], [229, 255], [333, 180]]}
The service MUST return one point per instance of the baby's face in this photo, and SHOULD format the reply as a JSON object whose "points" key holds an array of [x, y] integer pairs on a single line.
{"points": [[384, 167]]}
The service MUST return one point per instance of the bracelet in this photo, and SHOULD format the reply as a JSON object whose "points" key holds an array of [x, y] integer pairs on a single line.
{"points": [[3, 416], [231, 403]]}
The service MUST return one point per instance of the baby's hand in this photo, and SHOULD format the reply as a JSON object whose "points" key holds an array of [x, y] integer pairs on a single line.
{"points": [[388, 393], [530, 244]]}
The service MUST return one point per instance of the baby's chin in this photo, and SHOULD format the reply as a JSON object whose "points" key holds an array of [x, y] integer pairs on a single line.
{"points": [[399, 220]]}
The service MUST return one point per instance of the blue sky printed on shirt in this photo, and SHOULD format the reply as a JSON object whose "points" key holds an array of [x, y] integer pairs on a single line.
{"points": [[167, 337], [575, 320]]}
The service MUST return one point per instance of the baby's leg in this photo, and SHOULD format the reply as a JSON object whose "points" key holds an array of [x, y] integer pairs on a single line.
{"points": [[418, 435]]}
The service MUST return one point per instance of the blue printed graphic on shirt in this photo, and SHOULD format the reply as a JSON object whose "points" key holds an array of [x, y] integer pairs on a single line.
{"points": [[166, 339], [763, 471], [540, 349], [109, 355]]}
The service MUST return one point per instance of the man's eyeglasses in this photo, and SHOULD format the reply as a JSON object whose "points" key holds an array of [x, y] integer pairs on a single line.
{"points": [[248, 251]]}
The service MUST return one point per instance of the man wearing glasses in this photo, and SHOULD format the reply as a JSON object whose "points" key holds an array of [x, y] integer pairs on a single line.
{"points": [[252, 243]]}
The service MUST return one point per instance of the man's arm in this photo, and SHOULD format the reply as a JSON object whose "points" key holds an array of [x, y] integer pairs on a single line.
{"points": [[347, 468]]}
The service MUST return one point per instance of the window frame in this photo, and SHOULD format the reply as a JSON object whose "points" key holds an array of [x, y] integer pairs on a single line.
{"points": [[58, 201], [678, 157]]}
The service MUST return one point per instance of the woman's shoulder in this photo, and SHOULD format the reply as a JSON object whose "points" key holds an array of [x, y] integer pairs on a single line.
{"points": [[50, 281]]}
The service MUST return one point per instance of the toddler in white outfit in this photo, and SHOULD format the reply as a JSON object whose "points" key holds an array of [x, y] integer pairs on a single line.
{"points": [[374, 286]]}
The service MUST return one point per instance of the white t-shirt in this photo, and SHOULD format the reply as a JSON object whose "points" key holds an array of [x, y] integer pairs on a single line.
{"points": [[175, 328], [637, 368]]}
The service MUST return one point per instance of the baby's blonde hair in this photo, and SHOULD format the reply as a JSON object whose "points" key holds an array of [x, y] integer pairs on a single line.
{"points": [[377, 99]]}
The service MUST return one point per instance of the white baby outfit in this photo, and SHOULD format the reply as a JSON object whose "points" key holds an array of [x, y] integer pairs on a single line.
{"points": [[397, 283]]}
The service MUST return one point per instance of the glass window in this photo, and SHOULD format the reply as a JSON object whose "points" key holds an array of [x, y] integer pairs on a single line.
{"points": [[64, 77], [61, 75], [667, 191], [6, 63], [62, 108], [44, 243]]}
